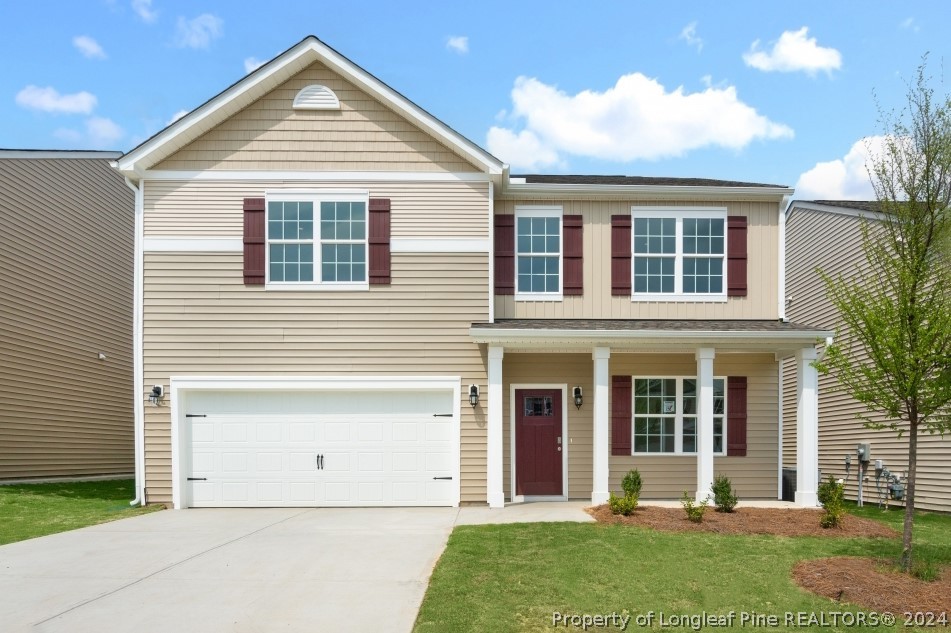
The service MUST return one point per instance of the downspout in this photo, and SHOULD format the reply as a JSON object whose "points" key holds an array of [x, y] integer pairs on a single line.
{"points": [[137, 369], [822, 352]]}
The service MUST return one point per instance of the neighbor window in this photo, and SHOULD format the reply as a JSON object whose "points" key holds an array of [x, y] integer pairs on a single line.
{"points": [[317, 240], [538, 244], [665, 415], [678, 253]]}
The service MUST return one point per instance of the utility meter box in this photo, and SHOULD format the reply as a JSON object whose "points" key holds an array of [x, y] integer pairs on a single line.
{"points": [[864, 452]]}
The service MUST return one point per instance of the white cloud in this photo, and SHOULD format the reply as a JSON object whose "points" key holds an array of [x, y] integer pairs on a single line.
{"points": [[177, 116], [199, 31], [794, 51], [689, 35], [636, 119], [844, 178], [458, 43], [89, 47], [144, 10], [48, 99], [252, 63], [103, 132], [68, 135]]}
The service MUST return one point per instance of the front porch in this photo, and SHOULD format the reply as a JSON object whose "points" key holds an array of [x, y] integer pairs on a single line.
{"points": [[679, 401]]}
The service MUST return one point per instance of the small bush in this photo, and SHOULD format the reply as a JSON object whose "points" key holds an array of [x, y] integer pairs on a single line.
{"points": [[723, 497], [632, 483], [694, 511], [622, 505], [831, 495]]}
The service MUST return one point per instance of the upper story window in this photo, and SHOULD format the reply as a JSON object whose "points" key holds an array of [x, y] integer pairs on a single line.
{"points": [[678, 254], [538, 252], [317, 240]]}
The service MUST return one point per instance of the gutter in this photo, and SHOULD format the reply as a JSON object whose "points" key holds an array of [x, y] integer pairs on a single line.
{"points": [[138, 406], [516, 188], [822, 352], [499, 335]]}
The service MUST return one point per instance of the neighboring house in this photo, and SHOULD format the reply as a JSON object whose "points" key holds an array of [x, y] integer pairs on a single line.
{"points": [[66, 246], [827, 235], [341, 301]]}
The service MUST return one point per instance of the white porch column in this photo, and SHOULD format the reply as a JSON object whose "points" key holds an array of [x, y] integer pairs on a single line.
{"points": [[493, 460], [599, 492], [807, 428], [704, 422]]}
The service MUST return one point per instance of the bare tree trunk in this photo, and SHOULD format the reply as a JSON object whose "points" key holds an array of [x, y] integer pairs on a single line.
{"points": [[905, 561]]}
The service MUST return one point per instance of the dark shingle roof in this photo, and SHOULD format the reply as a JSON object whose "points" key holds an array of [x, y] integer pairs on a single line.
{"points": [[634, 180], [646, 325], [872, 206]]}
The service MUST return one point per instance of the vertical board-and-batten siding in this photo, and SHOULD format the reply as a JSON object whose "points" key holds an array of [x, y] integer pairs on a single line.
{"points": [[66, 242], [832, 242], [363, 135], [597, 301]]}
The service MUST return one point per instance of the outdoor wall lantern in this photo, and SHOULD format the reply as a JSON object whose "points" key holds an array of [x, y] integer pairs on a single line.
{"points": [[474, 395], [156, 394], [579, 397]]}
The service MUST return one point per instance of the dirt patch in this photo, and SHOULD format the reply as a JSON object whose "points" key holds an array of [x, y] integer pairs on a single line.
{"points": [[871, 585], [778, 521]]}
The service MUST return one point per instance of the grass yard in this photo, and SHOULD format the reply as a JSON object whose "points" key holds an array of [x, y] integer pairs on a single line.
{"points": [[513, 577], [31, 510]]}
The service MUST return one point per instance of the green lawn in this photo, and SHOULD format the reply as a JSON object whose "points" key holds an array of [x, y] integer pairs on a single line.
{"points": [[30, 510], [513, 577]]}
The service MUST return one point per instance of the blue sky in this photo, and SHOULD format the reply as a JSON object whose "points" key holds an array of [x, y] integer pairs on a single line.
{"points": [[755, 91]]}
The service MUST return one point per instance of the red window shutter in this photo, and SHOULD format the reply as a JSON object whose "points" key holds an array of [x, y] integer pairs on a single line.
{"points": [[736, 256], [504, 254], [621, 419], [572, 230], [255, 246], [736, 416], [379, 241], [621, 256]]}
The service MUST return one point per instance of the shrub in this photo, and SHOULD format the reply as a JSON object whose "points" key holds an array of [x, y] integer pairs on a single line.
{"points": [[694, 511], [632, 483], [831, 495], [723, 497], [622, 505]]}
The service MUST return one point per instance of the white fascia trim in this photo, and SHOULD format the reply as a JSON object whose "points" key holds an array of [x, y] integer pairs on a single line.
{"points": [[825, 208], [161, 244], [438, 245], [319, 176], [515, 189], [564, 438], [499, 336], [781, 305]]}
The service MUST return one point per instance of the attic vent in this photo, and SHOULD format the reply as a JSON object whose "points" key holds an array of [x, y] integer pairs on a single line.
{"points": [[316, 97]]}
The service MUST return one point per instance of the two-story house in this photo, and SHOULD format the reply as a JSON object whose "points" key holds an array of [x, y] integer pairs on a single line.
{"points": [[342, 301]]}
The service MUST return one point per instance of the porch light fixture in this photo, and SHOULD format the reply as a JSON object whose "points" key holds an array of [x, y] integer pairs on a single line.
{"points": [[474, 395], [156, 394], [579, 397]]}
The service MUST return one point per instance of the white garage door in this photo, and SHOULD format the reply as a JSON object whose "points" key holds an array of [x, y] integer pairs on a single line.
{"points": [[362, 448]]}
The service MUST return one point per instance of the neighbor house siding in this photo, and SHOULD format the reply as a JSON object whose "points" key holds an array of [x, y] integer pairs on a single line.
{"points": [[66, 241], [832, 242], [597, 301], [363, 135]]}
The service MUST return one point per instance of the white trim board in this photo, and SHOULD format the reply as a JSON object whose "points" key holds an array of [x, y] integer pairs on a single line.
{"points": [[317, 176], [564, 439]]}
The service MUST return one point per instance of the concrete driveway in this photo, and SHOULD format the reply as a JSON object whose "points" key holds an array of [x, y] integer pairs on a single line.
{"points": [[227, 570]]}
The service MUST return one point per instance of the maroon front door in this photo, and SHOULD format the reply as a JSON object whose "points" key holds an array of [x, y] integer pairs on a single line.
{"points": [[538, 442]]}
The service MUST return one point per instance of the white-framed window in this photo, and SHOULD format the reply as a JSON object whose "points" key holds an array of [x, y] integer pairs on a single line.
{"points": [[678, 254], [665, 415], [317, 240], [539, 244]]}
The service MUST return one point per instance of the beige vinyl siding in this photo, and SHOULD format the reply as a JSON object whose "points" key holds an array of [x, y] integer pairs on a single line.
{"points": [[754, 476], [363, 135], [833, 243], [200, 319], [597, 302], [66, 242], [200, 208]]}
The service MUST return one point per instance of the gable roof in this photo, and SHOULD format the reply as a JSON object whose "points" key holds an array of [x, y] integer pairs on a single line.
{"points": [[857, 208], [268, 77]]}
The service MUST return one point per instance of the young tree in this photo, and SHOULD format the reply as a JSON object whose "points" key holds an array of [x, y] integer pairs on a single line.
{"points": [[897, 309]]}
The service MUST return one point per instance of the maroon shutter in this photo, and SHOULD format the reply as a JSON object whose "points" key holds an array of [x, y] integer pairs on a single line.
{"points": [[736, 255], [573, 255], [504, 254], [379, 240], [736, 416], [255, 247], [621, 256], [621, 419]]}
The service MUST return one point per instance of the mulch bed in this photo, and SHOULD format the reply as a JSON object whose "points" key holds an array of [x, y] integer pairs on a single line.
{"points": [[777, 521], [871, 585]]}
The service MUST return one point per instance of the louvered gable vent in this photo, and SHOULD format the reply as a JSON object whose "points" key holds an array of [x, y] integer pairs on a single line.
{"points": [[316, 97]]}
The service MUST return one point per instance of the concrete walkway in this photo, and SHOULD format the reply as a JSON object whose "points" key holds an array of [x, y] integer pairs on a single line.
{"points": [[254, 570]]}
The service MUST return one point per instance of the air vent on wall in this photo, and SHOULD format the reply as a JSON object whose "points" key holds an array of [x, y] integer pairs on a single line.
{"points": [[316, 97]]}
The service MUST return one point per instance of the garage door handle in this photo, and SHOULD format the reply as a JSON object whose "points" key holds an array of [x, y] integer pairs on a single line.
{"points": [[196, 479], [320, 462], [442, 477]]}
